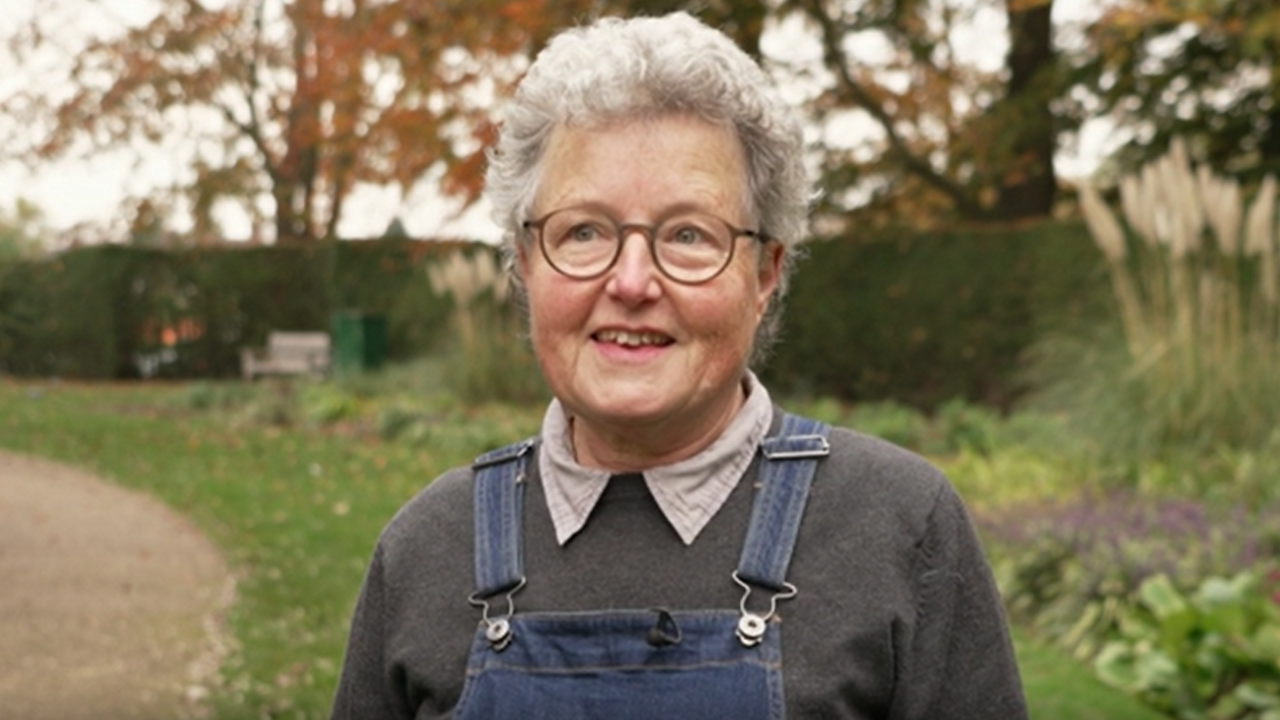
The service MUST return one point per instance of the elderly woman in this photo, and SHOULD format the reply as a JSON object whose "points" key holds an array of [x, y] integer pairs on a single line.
{"points": [[671, 545]]}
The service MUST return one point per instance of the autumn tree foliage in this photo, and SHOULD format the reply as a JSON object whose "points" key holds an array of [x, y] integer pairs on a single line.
{"points": [[951, 137], [954, 139], [1206, 71], [296, 101], [742, 20]]}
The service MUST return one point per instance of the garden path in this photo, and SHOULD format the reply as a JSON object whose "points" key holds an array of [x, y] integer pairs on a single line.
{"points": [[111, 603]]}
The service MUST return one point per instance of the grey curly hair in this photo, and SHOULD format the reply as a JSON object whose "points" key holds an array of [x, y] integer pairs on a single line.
{"points": [[623, 69]]}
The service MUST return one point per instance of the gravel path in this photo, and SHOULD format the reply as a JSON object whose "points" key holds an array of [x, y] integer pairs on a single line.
{"points": [[110, 602]]}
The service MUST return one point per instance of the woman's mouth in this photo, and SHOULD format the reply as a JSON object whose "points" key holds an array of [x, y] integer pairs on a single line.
{"points": [[628, 338]]}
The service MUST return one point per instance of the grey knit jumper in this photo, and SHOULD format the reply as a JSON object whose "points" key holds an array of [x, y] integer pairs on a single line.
{"points": [[897, 617]]}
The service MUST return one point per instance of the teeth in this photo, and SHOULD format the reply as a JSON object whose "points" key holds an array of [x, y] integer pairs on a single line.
{"points": [[632, 339]]}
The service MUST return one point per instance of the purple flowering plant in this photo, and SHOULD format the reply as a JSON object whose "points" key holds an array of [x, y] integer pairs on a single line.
{"points": [[1069, 568]]}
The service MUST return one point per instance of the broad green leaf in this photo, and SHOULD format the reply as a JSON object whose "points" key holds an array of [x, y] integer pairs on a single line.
{"points": [[1161, 597], [1265, 644], [1155, 669], [1221, 591], [1115, 667], [1257, 696]]}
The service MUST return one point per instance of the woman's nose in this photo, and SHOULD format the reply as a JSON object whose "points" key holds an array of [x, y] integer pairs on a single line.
{"points": [[634, 275]]}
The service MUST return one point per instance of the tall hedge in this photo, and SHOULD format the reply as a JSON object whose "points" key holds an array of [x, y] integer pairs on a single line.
{"points": [[388, 278], [925, 318], [918, 318], [69, 315], [111, 311]]}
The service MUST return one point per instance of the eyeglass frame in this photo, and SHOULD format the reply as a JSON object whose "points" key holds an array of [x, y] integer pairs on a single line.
{"points": [[650, 234]]}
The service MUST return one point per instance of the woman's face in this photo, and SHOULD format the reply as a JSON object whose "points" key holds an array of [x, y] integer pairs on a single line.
{"points": [[649, 369]]}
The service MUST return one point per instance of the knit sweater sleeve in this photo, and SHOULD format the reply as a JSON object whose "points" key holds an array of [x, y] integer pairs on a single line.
{"points": [[956, 660], [365, 686]]}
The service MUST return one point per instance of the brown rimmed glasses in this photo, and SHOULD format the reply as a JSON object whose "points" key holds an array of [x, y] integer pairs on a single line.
{"points": [[688, 247]]}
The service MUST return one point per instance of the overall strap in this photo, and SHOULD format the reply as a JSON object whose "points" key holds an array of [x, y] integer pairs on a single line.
{"points": [[499, 500], [786, 472]]}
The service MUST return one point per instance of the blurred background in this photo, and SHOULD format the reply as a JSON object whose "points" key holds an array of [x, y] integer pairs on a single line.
{"points": [[1044, 253]]}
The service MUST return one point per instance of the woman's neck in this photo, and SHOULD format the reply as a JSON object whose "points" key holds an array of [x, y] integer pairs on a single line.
{"points": [[635, 447]]}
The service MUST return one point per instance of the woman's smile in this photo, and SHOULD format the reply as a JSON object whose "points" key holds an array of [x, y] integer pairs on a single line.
{"points": [[632, 338]]}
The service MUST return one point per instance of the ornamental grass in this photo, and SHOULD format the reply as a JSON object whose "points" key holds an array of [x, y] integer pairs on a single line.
{"points": [[1194, 272], [491, 356]]}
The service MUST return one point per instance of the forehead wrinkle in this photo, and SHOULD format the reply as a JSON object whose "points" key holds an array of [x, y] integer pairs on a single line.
{"points": [[705, 191]]}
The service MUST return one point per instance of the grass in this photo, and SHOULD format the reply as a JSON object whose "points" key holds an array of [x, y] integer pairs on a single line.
{"points": [[297, 509], [1058, 688]]}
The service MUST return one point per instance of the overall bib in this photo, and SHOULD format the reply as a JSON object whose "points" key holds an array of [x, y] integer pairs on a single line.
{"points": [[644, 663]]}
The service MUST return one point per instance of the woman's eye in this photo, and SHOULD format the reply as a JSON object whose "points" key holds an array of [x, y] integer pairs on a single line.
{"points": [[687, 235], [584, 233]]}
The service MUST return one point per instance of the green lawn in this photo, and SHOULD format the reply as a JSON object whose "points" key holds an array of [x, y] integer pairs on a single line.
{"points": [[297, 511], [1058, 688]]}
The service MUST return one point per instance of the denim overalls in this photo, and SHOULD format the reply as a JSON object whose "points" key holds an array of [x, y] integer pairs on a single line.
{"points": [[624, 664]]}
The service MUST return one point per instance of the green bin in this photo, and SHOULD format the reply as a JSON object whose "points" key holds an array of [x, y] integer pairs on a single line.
{"points": [[359, 342]]}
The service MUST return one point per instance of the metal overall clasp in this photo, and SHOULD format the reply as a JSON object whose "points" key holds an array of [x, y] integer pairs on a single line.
{"points": [[752, 626], [497, 630]]}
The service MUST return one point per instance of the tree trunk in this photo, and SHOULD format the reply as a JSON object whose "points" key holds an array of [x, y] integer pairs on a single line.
{"points": [[1269, 146], [1029, 186], [295, 178]]}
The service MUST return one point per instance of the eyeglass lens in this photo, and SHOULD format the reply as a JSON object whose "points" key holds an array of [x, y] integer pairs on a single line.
{"points": [[690, 247]]}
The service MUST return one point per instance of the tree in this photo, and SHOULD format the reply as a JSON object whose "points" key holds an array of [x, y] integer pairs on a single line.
{"points": [[1207, 71], [22, 231], [23, 235], [954, 139], [1026, 184], [291, 103], [299, 101], [742, 20]]}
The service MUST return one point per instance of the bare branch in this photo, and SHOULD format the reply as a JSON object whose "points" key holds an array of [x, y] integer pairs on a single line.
{"points": [[837, 61]]}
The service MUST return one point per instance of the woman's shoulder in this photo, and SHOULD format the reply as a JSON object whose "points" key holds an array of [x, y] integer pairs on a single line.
{"points": [[872, 477], [442, 508], [864, 462], [857, 452], [450, 489]]}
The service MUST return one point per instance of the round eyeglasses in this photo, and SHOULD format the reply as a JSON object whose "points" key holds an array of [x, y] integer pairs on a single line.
{"points": [[690, 248]]}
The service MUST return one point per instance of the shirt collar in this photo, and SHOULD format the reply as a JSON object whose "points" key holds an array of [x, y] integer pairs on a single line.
{"points": [[689, 492]]}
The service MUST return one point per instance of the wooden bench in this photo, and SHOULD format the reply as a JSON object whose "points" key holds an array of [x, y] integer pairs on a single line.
{"points": [[287, 353]]}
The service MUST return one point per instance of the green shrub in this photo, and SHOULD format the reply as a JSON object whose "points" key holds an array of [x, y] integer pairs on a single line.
{"points": [[1014, 474], [886, 419], [957, 427], [213, 395], [968, 427], [894, 422], [1072, 568], [1213, 654], [396, 420], [326, 403], [922, 318]]}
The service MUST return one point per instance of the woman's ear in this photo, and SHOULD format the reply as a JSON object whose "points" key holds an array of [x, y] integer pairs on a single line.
{"points": [[769, 273], [521, 265]]}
